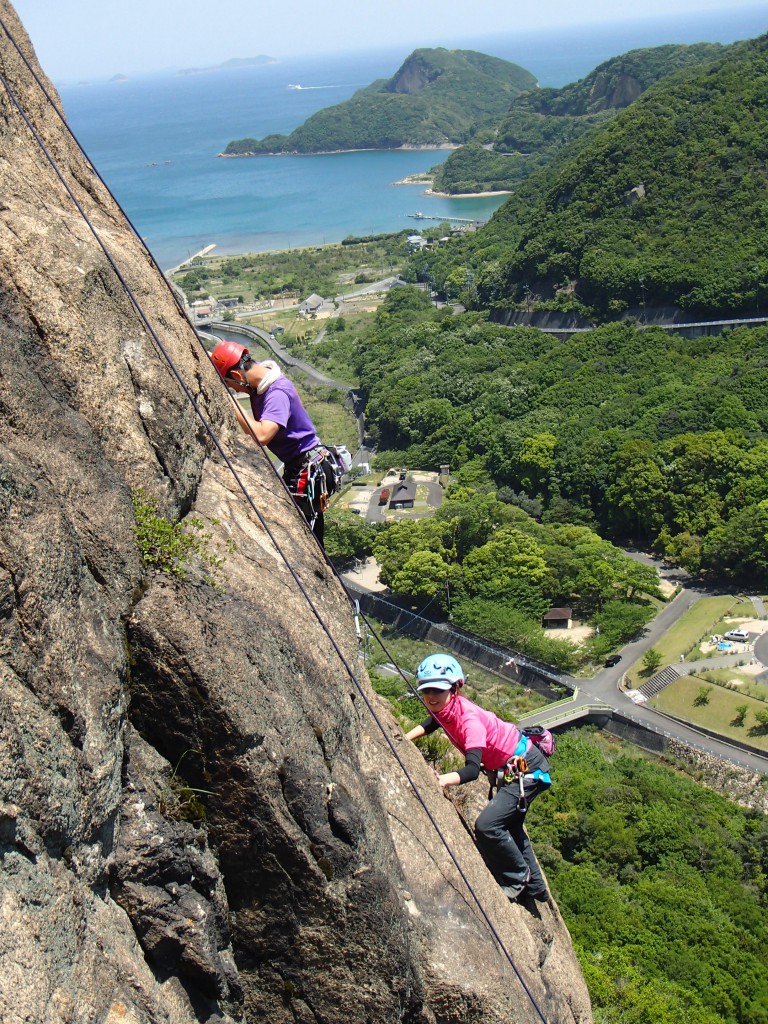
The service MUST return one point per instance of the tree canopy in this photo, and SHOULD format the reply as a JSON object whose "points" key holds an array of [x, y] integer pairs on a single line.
{"points": [[638, 435], [543, 123], [666, 205], [663, 886]]}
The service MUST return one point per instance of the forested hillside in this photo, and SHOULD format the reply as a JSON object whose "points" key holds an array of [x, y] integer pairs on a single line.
{"points": [[542, 123], [436, 97], [665, 205], [640, 435], [662, 885]]}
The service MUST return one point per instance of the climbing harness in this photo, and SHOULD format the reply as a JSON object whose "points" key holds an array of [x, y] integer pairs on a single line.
{"points": [[515, 770], [318, 478], [309, 485], [228, 462]]}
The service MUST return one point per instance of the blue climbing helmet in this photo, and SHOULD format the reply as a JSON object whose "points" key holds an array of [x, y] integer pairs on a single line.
{"points": [[439, 672]]}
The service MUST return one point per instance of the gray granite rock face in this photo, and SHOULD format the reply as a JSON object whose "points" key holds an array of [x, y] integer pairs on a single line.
{"points": [[200, 818]]}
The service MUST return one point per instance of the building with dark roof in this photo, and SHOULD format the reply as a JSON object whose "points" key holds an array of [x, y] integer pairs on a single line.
{"points": [[402, 494], [558, 618]]}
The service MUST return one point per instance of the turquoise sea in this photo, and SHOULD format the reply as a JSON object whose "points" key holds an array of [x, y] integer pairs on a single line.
{"points": [[155, 139]]}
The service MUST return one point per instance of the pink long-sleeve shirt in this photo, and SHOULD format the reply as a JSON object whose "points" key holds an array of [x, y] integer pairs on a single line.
{"points": [[469, 726]]}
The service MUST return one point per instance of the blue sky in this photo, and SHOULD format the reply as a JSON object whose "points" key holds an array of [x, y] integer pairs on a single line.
{"points": [[78, 39]]}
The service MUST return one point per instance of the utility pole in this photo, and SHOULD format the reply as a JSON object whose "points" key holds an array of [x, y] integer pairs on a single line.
{"points": [[642, 294]]}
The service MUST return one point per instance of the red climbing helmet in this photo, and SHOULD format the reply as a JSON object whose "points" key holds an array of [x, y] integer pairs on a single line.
{"points": [[227, 355]]}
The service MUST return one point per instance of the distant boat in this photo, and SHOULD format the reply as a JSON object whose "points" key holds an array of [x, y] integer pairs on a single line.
{"points": [[295, 86]]}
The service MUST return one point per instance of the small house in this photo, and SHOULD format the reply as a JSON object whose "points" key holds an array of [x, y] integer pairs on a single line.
{"points": [[416, 242], [558, 618], [312, 304], [402, 494]]}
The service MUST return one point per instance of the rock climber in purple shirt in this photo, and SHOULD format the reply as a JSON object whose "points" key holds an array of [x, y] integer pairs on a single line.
{"points": [[281, 423]]}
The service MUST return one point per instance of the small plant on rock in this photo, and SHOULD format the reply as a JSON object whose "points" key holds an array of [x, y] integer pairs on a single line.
{"points": [[179, 549]]}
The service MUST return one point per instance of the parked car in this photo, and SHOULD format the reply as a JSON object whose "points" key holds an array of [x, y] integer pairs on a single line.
{"points": [[344, 455], [737, 634], [612, 659]]}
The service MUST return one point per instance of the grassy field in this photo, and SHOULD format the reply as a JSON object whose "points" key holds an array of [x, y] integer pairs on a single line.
{"points": [[718, 714], [735, 677], [697, 624], [333, 421], [290, 275]]}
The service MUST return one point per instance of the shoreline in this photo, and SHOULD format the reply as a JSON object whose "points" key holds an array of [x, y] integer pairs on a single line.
{"points": [[423, 179], [467, 195], [431, 147]]}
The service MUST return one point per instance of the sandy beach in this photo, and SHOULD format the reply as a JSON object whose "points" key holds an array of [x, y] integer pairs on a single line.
{"points": [[466, 195], [421, 179]]}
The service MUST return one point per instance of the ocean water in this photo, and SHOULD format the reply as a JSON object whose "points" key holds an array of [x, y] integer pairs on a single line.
{"points": [[155, 140]]}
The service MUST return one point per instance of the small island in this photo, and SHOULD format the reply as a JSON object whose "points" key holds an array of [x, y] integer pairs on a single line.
{"points": [[232, 64], [433, 101]]}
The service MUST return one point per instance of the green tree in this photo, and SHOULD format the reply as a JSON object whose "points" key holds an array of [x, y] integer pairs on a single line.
{"points": [[740, 547], [425, 576], [536, 459], [702, 696], [347, 535], [394, 545], [638, 495], [509, 557], [741, 714], [472, 517], [651, 660]]}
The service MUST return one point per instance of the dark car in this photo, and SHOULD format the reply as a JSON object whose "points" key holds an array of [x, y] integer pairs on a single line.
{"points": [[612, 659]]}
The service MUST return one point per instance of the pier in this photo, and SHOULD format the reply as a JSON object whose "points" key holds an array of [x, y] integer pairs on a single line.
{"points": [[449, 220]]}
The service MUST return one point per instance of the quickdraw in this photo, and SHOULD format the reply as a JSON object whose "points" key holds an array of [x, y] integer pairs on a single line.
{"points": [[516, 768]]}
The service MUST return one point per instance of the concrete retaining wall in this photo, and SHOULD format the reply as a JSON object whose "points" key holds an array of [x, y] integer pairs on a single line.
{"points": [[523, 672]]}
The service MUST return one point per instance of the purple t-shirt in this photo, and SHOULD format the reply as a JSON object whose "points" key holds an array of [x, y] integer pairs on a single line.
{"points": [[281, 404]]}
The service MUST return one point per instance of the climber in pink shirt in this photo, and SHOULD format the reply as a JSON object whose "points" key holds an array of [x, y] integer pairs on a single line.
{"points": [[518, 770]]}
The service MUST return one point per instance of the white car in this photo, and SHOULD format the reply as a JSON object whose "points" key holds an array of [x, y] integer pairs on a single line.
{"points": [[737, 634], [344, 454]]}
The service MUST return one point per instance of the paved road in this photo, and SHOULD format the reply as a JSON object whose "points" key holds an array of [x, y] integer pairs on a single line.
{"points": [[604, 688]]}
